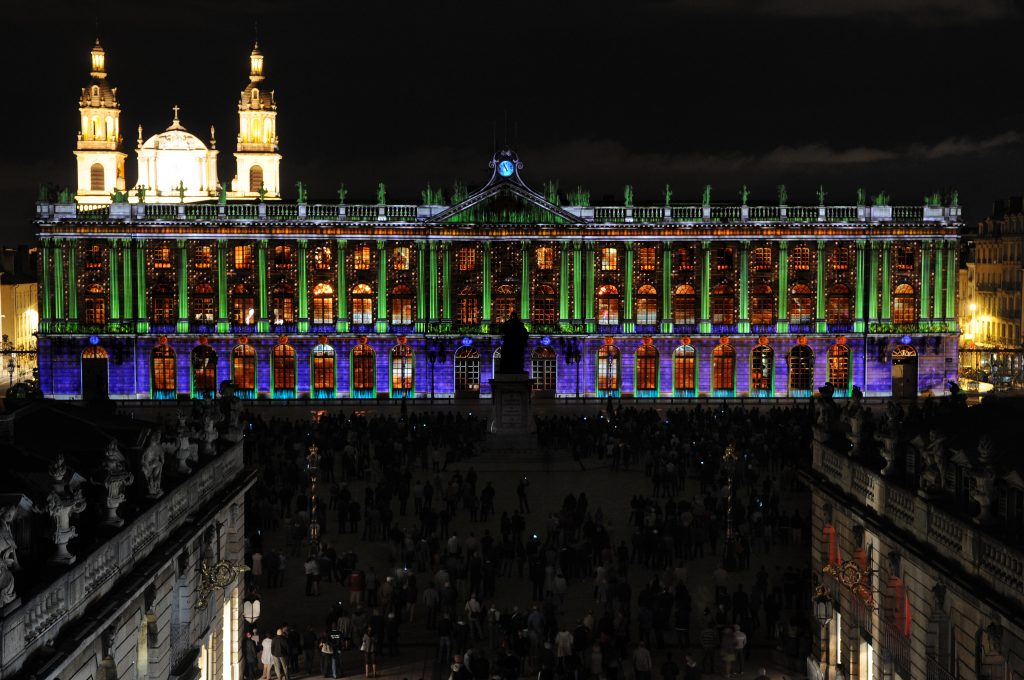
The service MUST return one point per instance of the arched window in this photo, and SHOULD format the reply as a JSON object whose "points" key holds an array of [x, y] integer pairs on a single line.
{"points": [[762, 371], [163, 372], [96, 177], [543, 369], [243, 305], [95, 303], [837, 310], [204, 372], [362, 304], [468, 306], [684, 305], [608, 362], [402, 367], [543, 310], [200, 299], [504, 303], [163, 304], [364, 372], [322, 370], [608, 304], [903, 304], [283, 360], [762, 305], [723, 371], [801, 371], [282, 304], [94, 352], [684, 371], [402, 310], [243, 371], [647, 305], [801, 304], [255, 179], [323, 303], [646, 384], [839, 368], [723, 305], [467, 371]]}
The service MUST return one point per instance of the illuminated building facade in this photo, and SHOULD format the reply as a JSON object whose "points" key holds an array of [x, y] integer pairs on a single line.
{"points": [[142, 300]]}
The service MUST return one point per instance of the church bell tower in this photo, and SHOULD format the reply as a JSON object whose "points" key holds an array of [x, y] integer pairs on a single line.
{"points": [[257, 159], [98, 151]]}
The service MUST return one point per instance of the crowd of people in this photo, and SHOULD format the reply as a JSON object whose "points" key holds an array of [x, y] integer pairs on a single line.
{"points": [[458, 549]]}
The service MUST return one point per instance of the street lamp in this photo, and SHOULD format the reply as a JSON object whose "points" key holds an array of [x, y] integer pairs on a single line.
{"points": [[822, 603], [573, 355], [251, 609], [10, 370], [729, 467], [313, 470]]}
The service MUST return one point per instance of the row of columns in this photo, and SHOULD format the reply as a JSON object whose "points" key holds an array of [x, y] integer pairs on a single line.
{"points": [[936, 288]]}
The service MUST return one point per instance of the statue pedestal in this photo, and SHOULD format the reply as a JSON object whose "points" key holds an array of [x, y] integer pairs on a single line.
{"points": [[511, 423]]}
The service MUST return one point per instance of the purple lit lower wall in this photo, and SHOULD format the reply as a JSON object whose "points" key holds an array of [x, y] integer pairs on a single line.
{"points": [[129, 367]]}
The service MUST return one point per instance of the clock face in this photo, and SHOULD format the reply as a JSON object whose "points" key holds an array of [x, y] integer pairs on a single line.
{"points": [[505, 168]]}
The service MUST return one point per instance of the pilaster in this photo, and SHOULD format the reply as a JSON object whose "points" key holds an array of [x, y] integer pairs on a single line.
{"points": [[434, 312], [937, 314], [421, 286], [485, 312], [588, 270], [223, 325], [819, 291], [524, 281], [563, 284], [666, 287], [577, 281], [263, 322], [303, 288], [859, 322], [342, 323], [873, 284], [886, 284], [182, 286], [744, 324], [629, 313], [951, 272], [381, 322], [926, 253], [129, 294], [73, 282], [47, 285], [115, 279], [446, 261], [58, 280], [782, 324], [705, 286], [141, 315]]}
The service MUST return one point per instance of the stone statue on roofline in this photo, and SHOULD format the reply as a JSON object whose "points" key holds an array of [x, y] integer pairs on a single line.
{"points": [[153, 465], [984, 473], [513, 344], [115, 477], [8, 546], [185, 450], [65, 499], [934, 458]]}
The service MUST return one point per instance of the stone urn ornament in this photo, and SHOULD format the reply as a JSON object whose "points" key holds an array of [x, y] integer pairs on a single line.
{"points": [[984, 491], [63, 501], [114, 475], [152, 460], [186, 451]]}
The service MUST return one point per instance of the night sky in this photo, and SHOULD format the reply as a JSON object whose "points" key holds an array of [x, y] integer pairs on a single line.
{"points": [[906, 96]]}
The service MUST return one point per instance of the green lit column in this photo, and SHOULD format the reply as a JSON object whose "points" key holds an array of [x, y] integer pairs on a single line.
{"points": [[926, 256], [434, 311], [485, 313], [937, 314], [381, 325], [303, 291], [446, 267], [73, 284], [129, 294], [524, 282], [744, 325], [782, 323], [629, 316], [46, 319], [886, 284], [263, 323], [873, 285], [342, 319], [223, 324], [577, 282], [819, 291], [588, 288], [858, 305], [666, 287], [563, 284], [141, 315], [951, 271], [183, 286], [421, 286], [58, 281], [705, 287], [114, 266]]}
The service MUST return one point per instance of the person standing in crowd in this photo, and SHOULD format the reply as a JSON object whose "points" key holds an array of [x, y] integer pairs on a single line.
{"points": [[280, 651], [642, 662], [266, 657], [369, 650], [250, 657]]}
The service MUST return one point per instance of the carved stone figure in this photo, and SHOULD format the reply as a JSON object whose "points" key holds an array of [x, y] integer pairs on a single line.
{"points": [[853, 416], [984, 491], [63, 501], [186, 451], [114, 475], [153, 465], [936, 458], [231, 411], [938, 598], [7, 594], [8, 546], [208, 435]]}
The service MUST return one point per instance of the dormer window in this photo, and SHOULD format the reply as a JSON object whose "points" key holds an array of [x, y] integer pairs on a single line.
{"points": [[255, 96]]}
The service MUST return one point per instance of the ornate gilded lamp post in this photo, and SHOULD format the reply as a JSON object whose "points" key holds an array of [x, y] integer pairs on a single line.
{"points": [[313, 470], [729, 467], [822, 602]]}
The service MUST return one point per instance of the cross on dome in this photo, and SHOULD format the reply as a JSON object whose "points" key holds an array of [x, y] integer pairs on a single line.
{"points": [[176, 123]]}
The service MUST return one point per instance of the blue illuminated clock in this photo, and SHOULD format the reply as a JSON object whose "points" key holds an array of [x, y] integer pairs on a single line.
{"points": [[505, 168]]}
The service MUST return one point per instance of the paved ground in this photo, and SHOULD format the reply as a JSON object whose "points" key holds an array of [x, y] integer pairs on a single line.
{"points": [[608, 490]]}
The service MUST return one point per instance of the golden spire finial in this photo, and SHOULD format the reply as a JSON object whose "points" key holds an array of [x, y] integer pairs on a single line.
{"points": [[98, 60]]}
